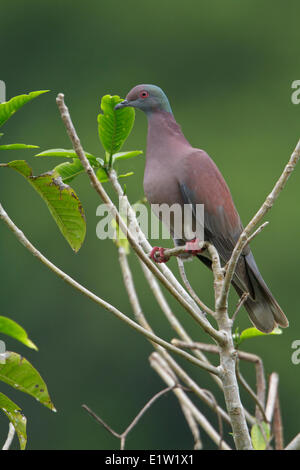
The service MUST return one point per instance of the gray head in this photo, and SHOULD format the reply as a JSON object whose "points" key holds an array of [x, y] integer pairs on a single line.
{"points": [[148, 98]]}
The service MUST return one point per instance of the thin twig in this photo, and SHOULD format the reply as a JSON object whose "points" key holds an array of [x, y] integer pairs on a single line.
{"points": [[191, 384], [134, 422], [272, 395], [294, 444], [250, 391], [256, 232], [260, 376], [277, 426], [189, 288], [200, 418], [216, 408], [192, 425], [241, 302], [10, 437]]}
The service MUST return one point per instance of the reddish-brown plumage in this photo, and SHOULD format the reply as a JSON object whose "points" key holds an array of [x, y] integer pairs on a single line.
{"points": [[175, 172]]}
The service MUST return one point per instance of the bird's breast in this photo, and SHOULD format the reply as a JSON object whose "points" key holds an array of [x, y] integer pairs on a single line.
{"points": [[161, 186]]}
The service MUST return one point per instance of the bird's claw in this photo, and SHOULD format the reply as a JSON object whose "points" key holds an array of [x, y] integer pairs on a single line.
{"points": [[161, 258], [192, 247]]}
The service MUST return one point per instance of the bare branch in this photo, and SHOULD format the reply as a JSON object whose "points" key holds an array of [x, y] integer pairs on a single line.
{"points": [[192, 425], [272, 395], [200, 418], [277, 425], [134, 422], [257, 231], [191, 384], [241, 302], [294, 444], [260, 376], [191, 290], [251, 392], [10, 437]]}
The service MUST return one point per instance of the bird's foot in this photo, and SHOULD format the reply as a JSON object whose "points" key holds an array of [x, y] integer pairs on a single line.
{"points": [[192, 247], [159, 258]]}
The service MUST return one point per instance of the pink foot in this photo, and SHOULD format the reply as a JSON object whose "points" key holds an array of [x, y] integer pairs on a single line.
{"points": [[161, 258], [192, 247]]}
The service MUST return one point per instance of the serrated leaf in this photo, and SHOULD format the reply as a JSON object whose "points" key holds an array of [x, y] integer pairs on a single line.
{"points": [[18, 146], [14, 330], [114, 126], [8, 108], [17, 419], [259, 442], [62, 202], [21, 375]]}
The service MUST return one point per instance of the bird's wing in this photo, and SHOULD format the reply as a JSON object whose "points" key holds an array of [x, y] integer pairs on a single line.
{"points": [[201, 182]]}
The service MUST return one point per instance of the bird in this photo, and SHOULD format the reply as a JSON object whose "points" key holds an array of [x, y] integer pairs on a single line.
{"points": [[177, 173]]}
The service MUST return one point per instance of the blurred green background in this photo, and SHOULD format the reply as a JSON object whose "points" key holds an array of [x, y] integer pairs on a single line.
{"points": [[227, 68]]}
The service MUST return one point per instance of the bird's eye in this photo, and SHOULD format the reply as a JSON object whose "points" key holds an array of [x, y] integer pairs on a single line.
{"points": [[144, 94]]}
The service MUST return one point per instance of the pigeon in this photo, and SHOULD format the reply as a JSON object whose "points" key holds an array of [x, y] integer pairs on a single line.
{"points": [[177, 173]]}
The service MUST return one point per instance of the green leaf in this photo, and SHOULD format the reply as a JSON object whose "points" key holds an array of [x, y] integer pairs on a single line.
{"points": [[13, 329], [21, 166], [130, 173], [114, 126], [64, 153], [21, 375], [18, 146], [257, 436], [68, 170], [62, 202], [17, 419], [253, 332], [125, 155], [102, 175], [8, 108]]}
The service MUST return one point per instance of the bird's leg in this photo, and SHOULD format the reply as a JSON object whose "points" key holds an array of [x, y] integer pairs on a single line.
{"points": [[192, 247], [161, 258]]}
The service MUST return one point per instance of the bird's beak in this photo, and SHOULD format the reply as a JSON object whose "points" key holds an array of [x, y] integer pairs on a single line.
{"points": [[123, 104]]}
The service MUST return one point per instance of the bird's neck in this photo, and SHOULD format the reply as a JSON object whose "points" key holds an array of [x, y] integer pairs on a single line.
{"points": [[163, 131]]}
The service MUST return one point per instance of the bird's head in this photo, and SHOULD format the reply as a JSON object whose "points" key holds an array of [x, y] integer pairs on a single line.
{"points": [[148, 98]]}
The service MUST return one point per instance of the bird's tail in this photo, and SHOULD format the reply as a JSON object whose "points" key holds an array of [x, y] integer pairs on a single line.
{"points": [[263, 310]]}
